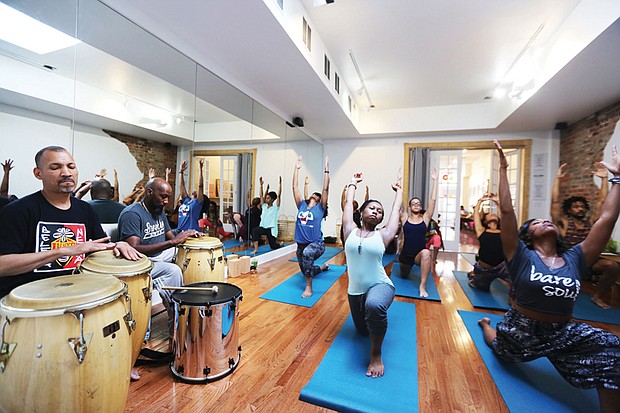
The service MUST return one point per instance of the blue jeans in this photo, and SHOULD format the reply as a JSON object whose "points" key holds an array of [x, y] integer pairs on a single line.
{"points": [[369, 311]]}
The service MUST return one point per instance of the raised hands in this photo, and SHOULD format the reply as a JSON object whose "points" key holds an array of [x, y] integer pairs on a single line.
{"points": [[7, 165], [503, 162], [613, 165]]}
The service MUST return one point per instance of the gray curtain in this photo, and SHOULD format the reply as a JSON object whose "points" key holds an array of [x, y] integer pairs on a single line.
{"points": [[419, 176], [244, 165]]}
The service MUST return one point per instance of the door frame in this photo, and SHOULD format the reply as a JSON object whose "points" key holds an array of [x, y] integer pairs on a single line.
{"points": [[525, 145]]}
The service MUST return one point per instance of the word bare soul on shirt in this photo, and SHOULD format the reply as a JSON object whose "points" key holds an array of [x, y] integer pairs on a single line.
{"points": [[556, 286]]}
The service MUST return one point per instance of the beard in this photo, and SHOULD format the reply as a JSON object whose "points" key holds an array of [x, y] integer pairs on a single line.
{"points": [[157, 210]]}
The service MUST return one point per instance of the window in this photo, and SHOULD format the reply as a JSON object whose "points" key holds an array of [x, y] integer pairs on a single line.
{"points": [[307, 34], [349, 103], [337, 82], [327, 67], [281, 4]]}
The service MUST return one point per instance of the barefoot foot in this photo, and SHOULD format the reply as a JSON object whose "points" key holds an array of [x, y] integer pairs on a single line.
{"points": [[485, 320], [324, 267], [600, 303], [375, 368], [135, 376], [423, 292], [307, 292]]}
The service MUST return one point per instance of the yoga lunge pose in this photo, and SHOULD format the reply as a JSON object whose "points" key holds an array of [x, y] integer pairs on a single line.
{"points": [[370, 291], [491, 263], [575, 224], [270, 205], [546, 279], [308, 234], [414, 227]]}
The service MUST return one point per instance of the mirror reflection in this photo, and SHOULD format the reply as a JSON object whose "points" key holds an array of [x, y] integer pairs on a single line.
{"points": [[122, 100]]}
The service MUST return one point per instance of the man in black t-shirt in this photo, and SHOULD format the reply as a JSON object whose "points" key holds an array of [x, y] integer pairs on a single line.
{"points": [[49, 232]]}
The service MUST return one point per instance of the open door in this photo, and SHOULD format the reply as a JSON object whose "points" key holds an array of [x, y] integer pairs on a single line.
{"points": [[447, 211], [513, 156]]}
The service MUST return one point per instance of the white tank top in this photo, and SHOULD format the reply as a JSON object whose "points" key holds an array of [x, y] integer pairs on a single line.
{"points": [[365, 268]]}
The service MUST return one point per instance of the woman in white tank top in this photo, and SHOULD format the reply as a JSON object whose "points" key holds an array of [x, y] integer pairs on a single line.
{"points": [[370, 291]]}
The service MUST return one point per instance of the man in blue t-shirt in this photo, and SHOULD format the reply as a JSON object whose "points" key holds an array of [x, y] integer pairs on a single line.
{"points": [[189, 210], [49, 232]]}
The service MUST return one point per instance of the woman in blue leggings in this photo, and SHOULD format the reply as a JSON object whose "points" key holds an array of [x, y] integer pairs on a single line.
{"points": [[370, 291]]}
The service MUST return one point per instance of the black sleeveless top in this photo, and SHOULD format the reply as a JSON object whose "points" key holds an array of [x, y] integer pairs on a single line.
{"points": [[491, 250]]}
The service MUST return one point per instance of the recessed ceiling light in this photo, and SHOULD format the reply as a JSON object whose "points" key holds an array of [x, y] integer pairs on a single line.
{"points": [[24, 31]]}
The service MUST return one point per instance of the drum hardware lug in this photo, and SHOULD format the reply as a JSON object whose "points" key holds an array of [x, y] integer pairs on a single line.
{"points": [[186, 263], [181, 369], [239, 349], [129, 320], [209, 312], [231, 362], [212, 262], [80, 344], [206, 371], [220, 259], [6, 349], [148, 295]]}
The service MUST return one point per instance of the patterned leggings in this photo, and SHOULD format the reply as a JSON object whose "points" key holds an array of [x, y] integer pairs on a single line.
{"points": [[307, 254], [584, 355]]}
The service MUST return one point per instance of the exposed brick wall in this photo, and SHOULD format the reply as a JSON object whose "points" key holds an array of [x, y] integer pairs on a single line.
{"points": [[150, 154], [582, 144]]}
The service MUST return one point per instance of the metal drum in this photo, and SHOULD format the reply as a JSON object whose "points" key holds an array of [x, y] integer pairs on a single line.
{"points": [[201, 259], [137, 276], [65, 345], [206, 332]]}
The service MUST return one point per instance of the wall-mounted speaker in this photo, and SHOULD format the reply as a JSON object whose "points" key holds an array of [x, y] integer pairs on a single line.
{"points": [[561, 125], [298, 122]]}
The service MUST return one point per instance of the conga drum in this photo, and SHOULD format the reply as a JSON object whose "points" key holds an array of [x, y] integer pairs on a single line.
{"points": [[65, 345], [201, 259], [137, 276], [206, 332]]}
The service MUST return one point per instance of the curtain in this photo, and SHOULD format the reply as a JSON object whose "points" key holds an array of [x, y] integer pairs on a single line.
{"points": [[244, 172], [419, 176]]}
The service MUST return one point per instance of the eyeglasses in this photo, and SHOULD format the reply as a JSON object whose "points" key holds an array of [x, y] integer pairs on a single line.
{"points": [[416, 203]]}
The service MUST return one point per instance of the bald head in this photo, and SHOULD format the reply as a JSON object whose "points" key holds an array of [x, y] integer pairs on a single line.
{"points": [[101, 189], [156, 194]]}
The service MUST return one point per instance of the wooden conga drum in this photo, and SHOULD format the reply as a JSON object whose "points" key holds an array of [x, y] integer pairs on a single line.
{"points": [[201, 259], [65, 345], [137, 276]]}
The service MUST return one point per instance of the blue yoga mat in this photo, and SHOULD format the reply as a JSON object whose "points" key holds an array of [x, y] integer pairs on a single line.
{"points": [[388, 258], [340, 381], [261, 250], [410, 286], [533, 387], [231, 243], [289, 291], [330, 252], [497, 299]]}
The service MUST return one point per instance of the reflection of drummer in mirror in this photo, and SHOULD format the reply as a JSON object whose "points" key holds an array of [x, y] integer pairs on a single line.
{"points": [[189, 210]]}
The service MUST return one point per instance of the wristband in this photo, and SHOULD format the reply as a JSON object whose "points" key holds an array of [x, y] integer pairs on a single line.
{"points": [[326, 172], [615, 180]]}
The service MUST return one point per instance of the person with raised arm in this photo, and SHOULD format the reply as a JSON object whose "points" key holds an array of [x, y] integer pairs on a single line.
{"points": [[574, 223], [414, 228], [546, 279], [189, 210], [308, 234], [370, 290], [270, 205]]}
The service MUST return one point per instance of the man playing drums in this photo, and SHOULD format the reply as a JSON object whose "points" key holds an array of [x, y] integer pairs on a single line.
{"points": [[49, 232]]}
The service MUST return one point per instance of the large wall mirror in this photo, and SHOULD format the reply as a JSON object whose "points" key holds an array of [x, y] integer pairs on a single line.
{"points": [[115, 92]]}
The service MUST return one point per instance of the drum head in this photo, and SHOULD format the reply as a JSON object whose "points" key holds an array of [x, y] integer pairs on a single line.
{"points": [[226, 292], [104, 262], [65, 291], [202, 243]]}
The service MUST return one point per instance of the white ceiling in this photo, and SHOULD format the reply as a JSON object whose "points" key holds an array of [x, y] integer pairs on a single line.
{"points": [[417, 57]]}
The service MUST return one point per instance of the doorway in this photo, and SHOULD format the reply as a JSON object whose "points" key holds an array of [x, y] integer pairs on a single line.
{"points": [[466, 171]]}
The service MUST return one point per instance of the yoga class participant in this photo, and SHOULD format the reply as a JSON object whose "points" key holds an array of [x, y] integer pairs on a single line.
{"points": [[370, 290], [270, 205], [414, 229], [491, 263], [308, 234], [546, 280]]}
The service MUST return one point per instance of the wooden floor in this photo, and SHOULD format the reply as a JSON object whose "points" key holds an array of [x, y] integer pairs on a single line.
{"points": [[283, 345]]}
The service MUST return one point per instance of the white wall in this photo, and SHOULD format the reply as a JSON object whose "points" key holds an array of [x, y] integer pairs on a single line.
{"points": [[24, 133]]}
